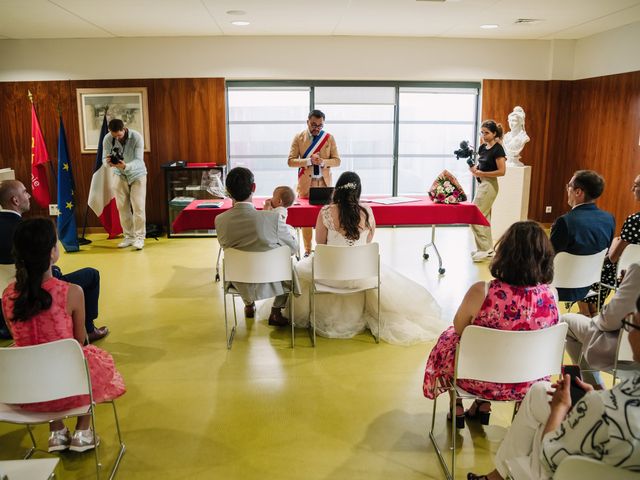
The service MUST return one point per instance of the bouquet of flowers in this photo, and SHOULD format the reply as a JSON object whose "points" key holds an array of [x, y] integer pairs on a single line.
{"points": [[446, 189]]}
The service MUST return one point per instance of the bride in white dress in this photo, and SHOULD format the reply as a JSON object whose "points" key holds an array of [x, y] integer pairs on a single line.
{"points": [[409, 314]]}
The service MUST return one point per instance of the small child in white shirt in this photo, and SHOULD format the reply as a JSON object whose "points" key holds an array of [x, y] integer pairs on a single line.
{"points": [[281, 199]]}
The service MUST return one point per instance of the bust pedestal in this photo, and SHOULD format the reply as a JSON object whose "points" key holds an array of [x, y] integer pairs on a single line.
{"points": [[512, 202]]}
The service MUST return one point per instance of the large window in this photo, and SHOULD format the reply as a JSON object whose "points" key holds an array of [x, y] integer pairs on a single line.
{"points": [[396, 137]]}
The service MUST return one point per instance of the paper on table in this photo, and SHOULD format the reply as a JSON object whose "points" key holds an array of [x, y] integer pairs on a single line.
{"points": [[393, 200]]}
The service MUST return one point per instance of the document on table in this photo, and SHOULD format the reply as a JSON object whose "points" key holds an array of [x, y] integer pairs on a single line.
{"points": [[393, 200]]}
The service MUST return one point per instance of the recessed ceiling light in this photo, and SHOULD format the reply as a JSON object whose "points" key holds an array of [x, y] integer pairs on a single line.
{"points": [[489, 26], [236, 12], [240, 24]]}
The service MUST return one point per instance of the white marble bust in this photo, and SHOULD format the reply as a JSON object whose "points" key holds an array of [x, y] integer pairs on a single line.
{"points": [[516, 138]]}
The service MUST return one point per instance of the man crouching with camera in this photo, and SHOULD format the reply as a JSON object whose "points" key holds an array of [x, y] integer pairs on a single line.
{"points": [[123, 150]]}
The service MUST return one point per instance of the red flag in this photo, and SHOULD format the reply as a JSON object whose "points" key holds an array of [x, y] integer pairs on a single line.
{"points": [[39, 156]]}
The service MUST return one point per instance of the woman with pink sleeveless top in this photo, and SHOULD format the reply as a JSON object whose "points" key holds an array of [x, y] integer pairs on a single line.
{"points": [[40, 309], [519, 298]]}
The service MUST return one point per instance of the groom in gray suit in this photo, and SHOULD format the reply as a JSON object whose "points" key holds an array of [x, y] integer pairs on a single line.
{"points": [[245, 228]]}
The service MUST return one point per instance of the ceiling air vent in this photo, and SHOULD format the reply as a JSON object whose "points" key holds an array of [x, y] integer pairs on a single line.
{"points": [[527, 21]]}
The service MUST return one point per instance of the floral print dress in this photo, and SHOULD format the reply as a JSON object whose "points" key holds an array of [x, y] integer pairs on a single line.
{"points": [[505, 307], [630, 233]]}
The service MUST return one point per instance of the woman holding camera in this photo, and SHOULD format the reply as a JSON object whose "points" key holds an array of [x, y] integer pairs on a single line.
{"points": [[491, 165]]}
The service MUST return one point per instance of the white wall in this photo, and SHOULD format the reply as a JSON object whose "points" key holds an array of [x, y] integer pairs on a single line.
{"points": [[607, 53], [329, 58], [326, 58]]}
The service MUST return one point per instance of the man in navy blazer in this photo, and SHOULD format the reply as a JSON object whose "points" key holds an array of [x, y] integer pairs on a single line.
{"points": [[585, 229], [14, 201]]}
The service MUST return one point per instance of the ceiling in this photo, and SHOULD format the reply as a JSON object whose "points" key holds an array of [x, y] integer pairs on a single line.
{"points": [[560, 19]]}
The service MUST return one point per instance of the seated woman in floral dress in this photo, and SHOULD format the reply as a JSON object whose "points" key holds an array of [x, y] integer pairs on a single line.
{"points": [[39, 308], [519, 298]]}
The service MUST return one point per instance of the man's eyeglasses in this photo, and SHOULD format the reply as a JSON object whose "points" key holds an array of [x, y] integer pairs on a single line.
{"points": [[628, 326], [316, 125]]}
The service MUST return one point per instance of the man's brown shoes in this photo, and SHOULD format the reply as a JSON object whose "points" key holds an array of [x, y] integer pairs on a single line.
{"points": [[276, 319], [98, 333], [250, 310]]}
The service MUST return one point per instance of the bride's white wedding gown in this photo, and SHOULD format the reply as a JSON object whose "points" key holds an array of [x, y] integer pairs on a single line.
{"points": [[409, 314]]}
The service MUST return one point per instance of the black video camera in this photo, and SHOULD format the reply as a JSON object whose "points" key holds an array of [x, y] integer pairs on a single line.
{"points": [[466, 151], [116, 156]]}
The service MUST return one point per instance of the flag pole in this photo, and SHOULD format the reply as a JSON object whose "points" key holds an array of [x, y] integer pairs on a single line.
{"points": [[83, 240]]}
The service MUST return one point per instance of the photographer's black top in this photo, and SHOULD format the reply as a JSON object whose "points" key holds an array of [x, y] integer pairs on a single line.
{"points": [[487, 157]]}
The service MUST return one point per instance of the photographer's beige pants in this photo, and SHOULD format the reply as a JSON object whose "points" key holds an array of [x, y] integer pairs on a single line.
{"points": [[485, 196], [130, 200]]}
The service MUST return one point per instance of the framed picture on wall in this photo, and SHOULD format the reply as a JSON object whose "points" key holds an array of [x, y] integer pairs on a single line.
{"points": [[128, 104]]}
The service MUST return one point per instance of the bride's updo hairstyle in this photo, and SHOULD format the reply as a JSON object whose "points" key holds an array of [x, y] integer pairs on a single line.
{"points": [[33, 241], [346, 195], [524, 256]]}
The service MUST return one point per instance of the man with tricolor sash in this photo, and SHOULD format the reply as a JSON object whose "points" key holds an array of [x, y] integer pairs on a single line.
{"points": [[313, 152]]}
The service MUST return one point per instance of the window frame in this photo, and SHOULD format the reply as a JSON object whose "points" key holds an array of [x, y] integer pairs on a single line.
{"points": [[311, 84]]}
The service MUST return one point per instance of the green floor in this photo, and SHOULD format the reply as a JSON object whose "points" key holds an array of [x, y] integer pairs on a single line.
{"points": [[347, 409]]}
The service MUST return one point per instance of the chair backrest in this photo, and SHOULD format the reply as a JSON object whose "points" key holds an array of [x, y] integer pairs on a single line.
{"points": [[625, 354], [630, 254], [332, 262], [577, 271], [7, 274], [505, 356], [585, 468], [257, 267], [39, 373]]}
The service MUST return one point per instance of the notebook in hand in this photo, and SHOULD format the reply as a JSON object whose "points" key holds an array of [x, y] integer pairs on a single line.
{"points": [[320, 195]]}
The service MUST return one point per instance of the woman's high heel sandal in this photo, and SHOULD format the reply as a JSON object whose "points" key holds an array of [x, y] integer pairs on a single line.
{"points": [[478, 414], [459, 418]]}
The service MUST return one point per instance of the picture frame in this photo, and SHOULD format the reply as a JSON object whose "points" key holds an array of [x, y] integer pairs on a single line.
{"points": [[128, 104]]}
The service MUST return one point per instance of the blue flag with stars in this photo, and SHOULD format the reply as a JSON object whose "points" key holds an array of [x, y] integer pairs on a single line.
{"points": [[67, 232]]}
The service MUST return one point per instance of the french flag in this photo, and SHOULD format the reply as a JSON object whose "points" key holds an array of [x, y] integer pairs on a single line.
{"points": [[102, 198]]}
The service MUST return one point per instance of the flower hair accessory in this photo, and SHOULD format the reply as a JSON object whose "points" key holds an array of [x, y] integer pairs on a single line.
{"points": [[347, 186], [446, 189]]}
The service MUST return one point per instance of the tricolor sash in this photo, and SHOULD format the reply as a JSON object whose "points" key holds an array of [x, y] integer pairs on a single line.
{"points": [[317, 143]]}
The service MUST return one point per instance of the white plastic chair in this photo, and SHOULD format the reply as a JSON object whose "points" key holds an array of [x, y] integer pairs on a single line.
{"points": [[500, 356], [343, 263], [7, 274], [630, 254], [255, 267], [577, 271], [44, 372], [624, 354], [585, 468], [40, 469]]}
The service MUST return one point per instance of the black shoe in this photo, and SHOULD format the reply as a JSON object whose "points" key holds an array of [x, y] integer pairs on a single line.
{"points": [[477, 414], [276, 319], [459, 418], [250, 310], [5, 334]]}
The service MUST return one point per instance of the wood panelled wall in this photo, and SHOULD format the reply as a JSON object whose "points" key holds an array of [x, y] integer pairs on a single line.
{"points": [[583, 124], [187, 121]]}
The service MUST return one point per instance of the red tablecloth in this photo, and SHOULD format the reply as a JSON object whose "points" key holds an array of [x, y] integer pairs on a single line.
{"points": [[422, 212]]}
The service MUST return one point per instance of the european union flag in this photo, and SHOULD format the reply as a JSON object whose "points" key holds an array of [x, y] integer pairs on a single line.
{"points": [[67, 232]]}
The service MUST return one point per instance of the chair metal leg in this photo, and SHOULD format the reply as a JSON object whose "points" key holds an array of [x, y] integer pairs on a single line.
{"points": [[33, 448], [229, 335], [291, 318], [312, 316], [96, 452], [116, 464], [378, 337], [448, 474]]}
